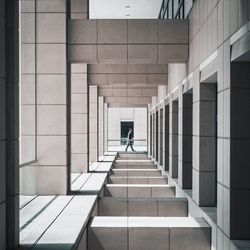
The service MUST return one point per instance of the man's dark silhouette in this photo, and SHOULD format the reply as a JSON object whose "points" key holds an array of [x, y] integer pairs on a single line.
{"points": [[130, 139]]}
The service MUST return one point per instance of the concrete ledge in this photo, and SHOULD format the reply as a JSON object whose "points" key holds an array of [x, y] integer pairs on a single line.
{"points": [[139, 191], [55, 222], [137, 180], [135, 172], [128, 41], [134, 233], [169, 207]]}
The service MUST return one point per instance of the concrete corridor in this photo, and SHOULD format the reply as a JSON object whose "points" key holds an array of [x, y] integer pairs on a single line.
{"points": [[139, 210]]}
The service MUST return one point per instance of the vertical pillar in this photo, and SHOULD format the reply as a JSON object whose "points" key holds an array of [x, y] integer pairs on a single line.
{"points": [[105, 127], [237, 142], [166, 141], [157, 134], [28, 100], [101, 125], [173, 150], [149, 130], [204, 145], [9, 124], [154, 100], [160, 142], [93, 123], [160, 97], [79, 118], [185, 142], [52, 106]]}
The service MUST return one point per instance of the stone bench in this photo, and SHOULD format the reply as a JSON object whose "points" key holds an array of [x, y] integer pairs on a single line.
{"points": [[101, 167], [137, 180], [111, 153], [148, 233], [139, 191], [135, 172], [89, 183], [107, 158], [26, 199], [56, 222], [169, 207]]}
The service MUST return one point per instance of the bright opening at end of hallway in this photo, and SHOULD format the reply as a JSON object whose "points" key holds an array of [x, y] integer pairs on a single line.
{"points": [[124, 9]]}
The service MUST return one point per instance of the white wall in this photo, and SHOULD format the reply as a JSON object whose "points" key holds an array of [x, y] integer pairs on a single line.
{"points": [[137, 115]]}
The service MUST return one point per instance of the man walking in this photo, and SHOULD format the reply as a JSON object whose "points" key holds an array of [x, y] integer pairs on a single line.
{"points": [[130, 140]]}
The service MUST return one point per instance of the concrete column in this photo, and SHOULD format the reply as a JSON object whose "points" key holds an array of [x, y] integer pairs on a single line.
{"points": [[154, 100], [101, 125], [157, 115], [93, 123], [105, 127], [237, 142], [28, 100], [9, 124], [52, 109], [204, 145], [149, 130], [173, 137], [79, 119], [185, 142], [160, 136], [166, 140]]}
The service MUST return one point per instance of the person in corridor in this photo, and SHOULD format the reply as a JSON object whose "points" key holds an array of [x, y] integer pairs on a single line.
{"points": [[130, 140]]}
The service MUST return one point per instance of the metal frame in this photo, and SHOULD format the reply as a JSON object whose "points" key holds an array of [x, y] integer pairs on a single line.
{"points": [[167, 11]]}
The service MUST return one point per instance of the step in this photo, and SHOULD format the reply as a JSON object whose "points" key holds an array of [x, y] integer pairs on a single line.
{"points": [[137, 180], [139, 190], [134, 166], [149, 233], [135, 172], [169, 207]]}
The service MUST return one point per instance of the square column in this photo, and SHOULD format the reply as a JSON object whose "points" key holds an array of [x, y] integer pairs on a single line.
{"points": [[173, 137], [160, 136], [53, 152], [93, 123], [101, 125], [105, 127], [79, 119], [9, 125], [149, 131], [234, 187], [185, 141], [205, 144], [166, 139]]}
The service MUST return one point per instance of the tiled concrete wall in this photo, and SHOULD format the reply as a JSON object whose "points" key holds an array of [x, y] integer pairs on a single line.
{"points": [[128, 41], [93, 123], [79, 118], [213, 25], [9, 124], [51, 96], [28, 88], [101, 125], [127, 84]]}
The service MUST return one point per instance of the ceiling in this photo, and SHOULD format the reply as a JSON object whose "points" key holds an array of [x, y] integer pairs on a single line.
{"points": [[124, 9]]}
